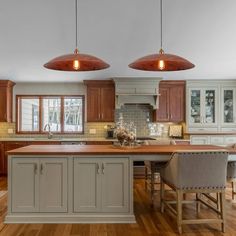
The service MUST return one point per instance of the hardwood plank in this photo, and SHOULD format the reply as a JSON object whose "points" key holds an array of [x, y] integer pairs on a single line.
{"points": [[150, 221]]}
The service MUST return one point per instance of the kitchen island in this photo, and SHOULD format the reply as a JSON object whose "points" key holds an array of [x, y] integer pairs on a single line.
{"points": [[78, 184]]}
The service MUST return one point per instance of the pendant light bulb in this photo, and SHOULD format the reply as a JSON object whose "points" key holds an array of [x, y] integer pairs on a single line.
{"points": [[76, 64], [161, 64]]}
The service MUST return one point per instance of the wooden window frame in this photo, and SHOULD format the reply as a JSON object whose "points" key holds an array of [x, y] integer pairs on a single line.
{"points": [[41, 97]]}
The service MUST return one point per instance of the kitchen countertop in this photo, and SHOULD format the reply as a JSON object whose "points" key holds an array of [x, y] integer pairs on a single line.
{"points": [[55, 139], [69, 139], [211, 133], [110, 149]]}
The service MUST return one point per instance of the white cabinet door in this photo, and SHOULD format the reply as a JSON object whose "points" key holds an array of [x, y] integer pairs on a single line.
{"points": [[53, 185], [87, 184], [217, 140], [210, 106], [228, 107], [230, 139], [25, 185], [195, 106], [115, 185], [199, 140], [202, 108]]}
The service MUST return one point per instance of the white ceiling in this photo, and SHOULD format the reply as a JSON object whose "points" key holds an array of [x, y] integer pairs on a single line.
{"points": [[118, 31]]}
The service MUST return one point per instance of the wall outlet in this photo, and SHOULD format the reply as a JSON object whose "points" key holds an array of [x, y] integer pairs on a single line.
{"points": [[92, 131], [10, 131]]}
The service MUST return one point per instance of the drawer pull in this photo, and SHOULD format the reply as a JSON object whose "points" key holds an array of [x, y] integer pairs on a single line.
{"points": [[103, 168], [35, 169], [41, 168], [98, 172]]}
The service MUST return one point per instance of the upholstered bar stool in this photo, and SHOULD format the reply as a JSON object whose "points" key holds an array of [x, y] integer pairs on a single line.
{"points": [[196, 172], [152, 168], [231, 176]]}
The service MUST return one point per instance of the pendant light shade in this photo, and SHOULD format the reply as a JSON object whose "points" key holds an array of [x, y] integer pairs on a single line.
{"points": [[161, 61], [76, 61]]}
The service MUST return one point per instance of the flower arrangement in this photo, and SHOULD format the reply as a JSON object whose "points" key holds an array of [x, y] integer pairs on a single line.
{"points": [[125, 136]]}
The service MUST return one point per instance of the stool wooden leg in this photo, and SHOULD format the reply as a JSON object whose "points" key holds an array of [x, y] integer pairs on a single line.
{"points": [[218, 201], [233, 189], [162, 193], [152, 187], [179, 210], [198, 196], [222, 209], [146, 177]]}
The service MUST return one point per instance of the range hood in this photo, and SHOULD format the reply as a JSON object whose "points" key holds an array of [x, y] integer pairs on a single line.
{"points": [[133, 90]]}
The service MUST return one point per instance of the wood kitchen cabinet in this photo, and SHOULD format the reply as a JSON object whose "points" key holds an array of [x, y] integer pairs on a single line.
{"points": [[39, 184], [100, 101], [171, 102], [1, 158], [5, 147], [99, 142], [101, 185], [6, 99]]}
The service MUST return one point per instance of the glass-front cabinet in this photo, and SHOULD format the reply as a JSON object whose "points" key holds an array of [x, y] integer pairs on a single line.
{"points": [[195, 106], [202, 107], [209, 106], [228, 107]]}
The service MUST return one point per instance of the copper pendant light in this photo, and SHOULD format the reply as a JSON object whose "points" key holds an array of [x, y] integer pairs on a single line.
{"points": [[161, 61], [76, 61]]}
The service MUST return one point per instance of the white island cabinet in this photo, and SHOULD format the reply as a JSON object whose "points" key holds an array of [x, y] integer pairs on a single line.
{"points": [[70, 189], [101, 185], [39, 185], [78, 183]]}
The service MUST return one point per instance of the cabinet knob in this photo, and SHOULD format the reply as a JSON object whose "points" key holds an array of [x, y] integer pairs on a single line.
{"points": [[103, 168], [41, 168], [35, 169], [98, 172]]}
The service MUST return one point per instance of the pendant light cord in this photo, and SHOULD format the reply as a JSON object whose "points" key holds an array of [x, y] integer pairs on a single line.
{"points": [[161, 21], [76, 24]]}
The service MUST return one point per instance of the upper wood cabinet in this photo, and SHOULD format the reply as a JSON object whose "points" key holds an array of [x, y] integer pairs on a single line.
{"points": [[100, 100], [6, 93], [171, 102]]}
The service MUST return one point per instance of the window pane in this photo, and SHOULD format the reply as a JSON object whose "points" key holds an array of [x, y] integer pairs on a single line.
{"points": [[29, 114], [51, 112], [73, 114]]}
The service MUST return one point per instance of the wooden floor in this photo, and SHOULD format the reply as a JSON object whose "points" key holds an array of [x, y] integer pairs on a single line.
{"points": [[149, 221]]}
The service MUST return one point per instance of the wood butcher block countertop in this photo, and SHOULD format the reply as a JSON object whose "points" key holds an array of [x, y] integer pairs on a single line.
{"points": [[110, 149]]}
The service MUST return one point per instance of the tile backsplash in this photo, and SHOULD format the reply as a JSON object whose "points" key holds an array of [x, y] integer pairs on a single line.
{"points": [[5, 128], [98, 126], [139, 114]]}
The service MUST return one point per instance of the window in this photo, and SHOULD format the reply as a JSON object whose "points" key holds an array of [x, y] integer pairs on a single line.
{"points": [[64, 114]]}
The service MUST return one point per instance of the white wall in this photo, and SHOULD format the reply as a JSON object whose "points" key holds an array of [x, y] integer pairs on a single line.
{"points": [[119, 31], [47, 89]]}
